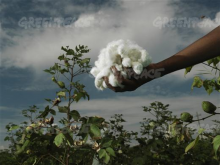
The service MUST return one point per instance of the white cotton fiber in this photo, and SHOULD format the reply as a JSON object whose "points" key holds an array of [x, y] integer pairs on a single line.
{"points": [[94, 71], [118, 67], [112, 80], [137, 67], [121, 54], [126, 62]]}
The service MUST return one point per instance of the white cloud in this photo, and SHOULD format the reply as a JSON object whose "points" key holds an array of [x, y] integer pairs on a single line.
{"points": [[39, 48], [133, 20], [207, 24]]}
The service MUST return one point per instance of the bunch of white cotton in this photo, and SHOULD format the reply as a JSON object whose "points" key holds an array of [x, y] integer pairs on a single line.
{"points": [[121, 53]]}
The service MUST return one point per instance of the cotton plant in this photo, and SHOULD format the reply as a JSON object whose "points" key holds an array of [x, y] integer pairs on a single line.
{"points": [[120, 54]]}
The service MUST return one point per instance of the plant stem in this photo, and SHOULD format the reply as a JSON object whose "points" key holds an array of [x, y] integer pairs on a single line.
{"points": [[69, 103], [211, 66], [56, 158], [203, 118]]}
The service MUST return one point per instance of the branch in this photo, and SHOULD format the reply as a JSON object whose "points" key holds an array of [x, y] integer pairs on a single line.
{"points": [[66, 77], [203, 118], [41, 158], [211, 66], [55, 158]]}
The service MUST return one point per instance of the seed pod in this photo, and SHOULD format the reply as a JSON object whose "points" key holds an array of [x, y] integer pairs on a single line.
{"points": [[208, 107], [73, 127], [61, 84], [186, 117], [96, 146], [56, 101], [47, 121], [40, 123], [51, 120], [28, 129], [66, 63], [28, 151], [120, 151], [152, 124], [53, 79]]}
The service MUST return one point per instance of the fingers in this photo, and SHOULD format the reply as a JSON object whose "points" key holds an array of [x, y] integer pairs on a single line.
{"points": [[115, 89], [121, 78], [129, 84]]}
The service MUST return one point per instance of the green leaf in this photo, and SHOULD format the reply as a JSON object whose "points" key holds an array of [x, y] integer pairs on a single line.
{"points": [[22, 138], [69, 138], [49, 71], [209, 61], [70, 52], [139, 161], [101, 153], [53, 112], [63, 70], [58, 140], [188, 69], [45, 112], [216, 144], [49, 100], [64, 49], [96, 120], [201, 130], [96, 133], [61, 84], [78, 95], [110, 151], [63, 109], [61, 94], [192, 144], [75, 115], [86, 138], [6, 138], [197, 82], [218, 80], [76, 48], [86, 60], [208, 85], [25, 145], [61, 57], [13, 127], [107, 158], [106, 143]]}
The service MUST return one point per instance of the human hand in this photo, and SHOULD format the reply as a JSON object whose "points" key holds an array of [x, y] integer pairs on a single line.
{"points": [[132, 82]]}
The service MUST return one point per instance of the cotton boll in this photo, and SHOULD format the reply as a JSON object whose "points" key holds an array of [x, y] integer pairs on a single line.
{"points": [[147, 62], [120, 53], [117, 59], [123, 50], [145, 58], [104, 84], [99, 80], [126, 62], [103, 73], [137, 67], [98, 83], [118, 67], [134, 54], [100, 64], [94, 71], [112, 80]]}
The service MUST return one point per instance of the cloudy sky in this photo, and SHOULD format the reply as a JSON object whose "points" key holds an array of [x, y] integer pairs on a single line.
{"points": [[33, 31]]}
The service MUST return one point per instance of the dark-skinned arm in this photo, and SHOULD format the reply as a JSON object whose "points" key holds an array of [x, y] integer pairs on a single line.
{"points": [[201, 50]]}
